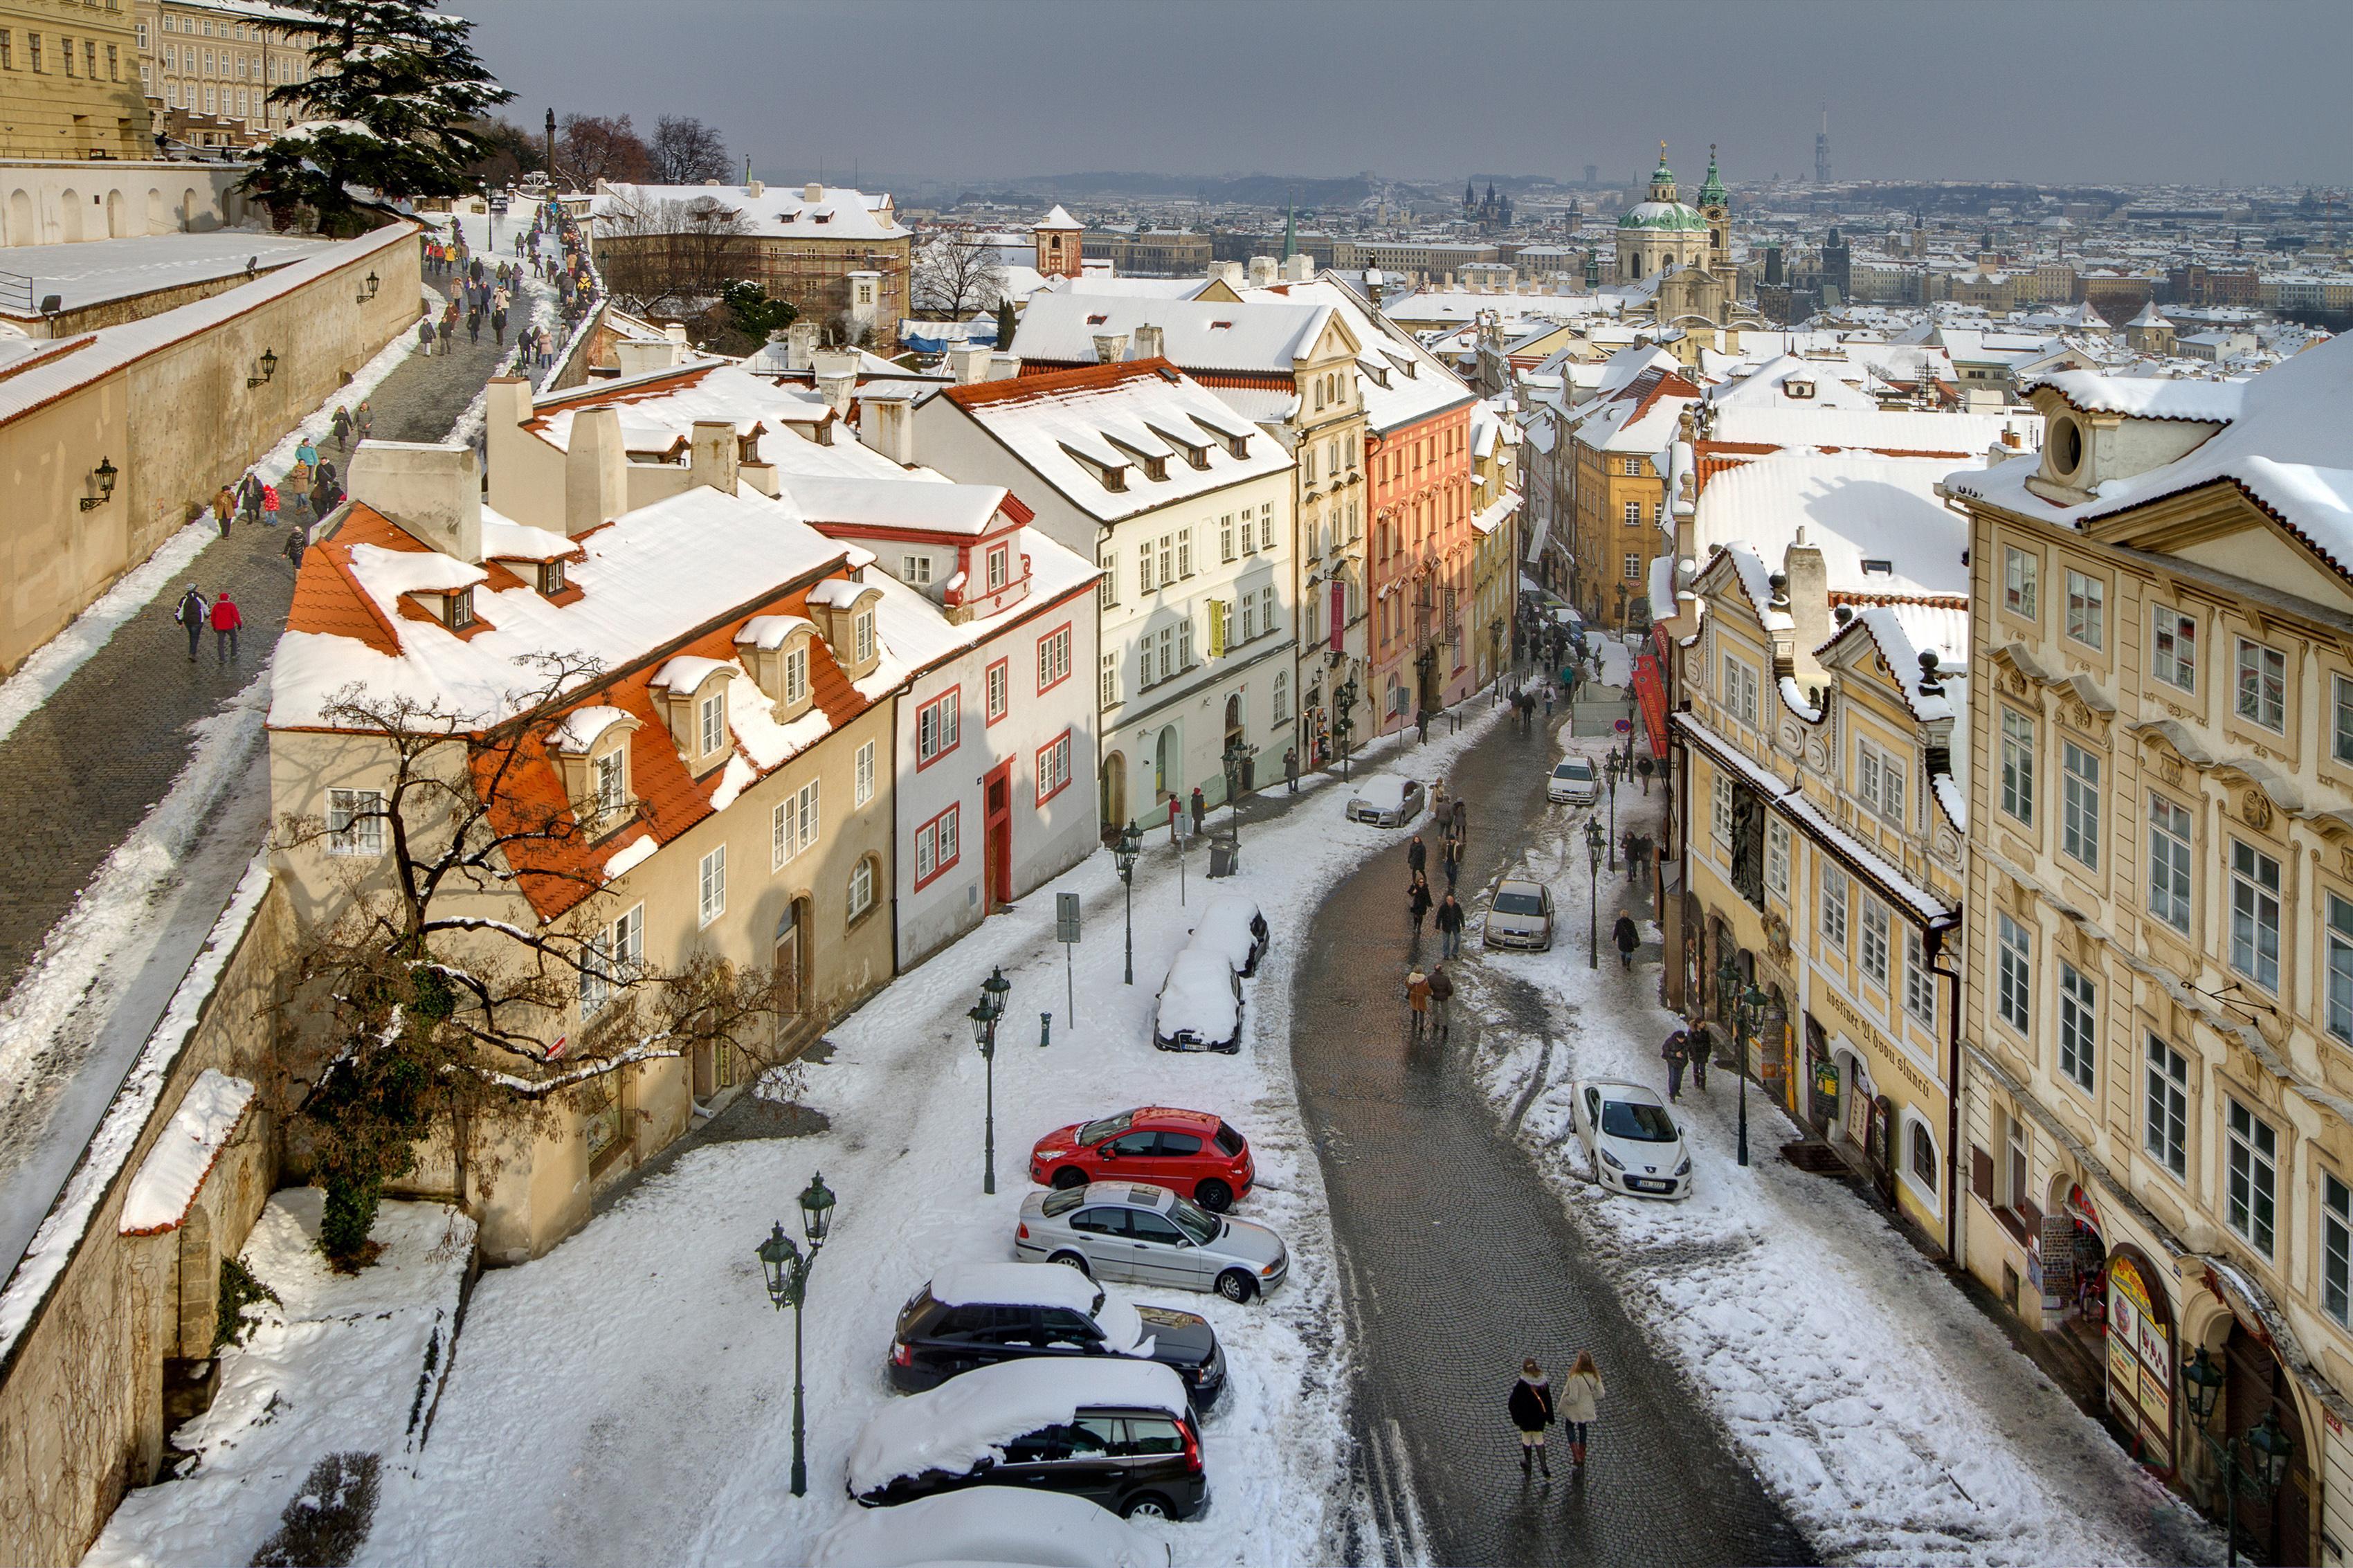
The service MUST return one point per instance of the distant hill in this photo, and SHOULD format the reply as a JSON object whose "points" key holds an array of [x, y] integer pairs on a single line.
{"points": [[1256, 190]]}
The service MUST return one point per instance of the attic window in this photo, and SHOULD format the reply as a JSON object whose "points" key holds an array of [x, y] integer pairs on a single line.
{"points": [[458, 609], [1794, 388], [825, 217], [1219, 326], [1097, 321], [550, 578], [786, 217], [1884, 568]]}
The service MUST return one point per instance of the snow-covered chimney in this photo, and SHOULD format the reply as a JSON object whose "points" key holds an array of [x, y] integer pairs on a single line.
{"points": [[837, 377], [888, 427], [1298, 268], [1809, 598], [1002, 366], [812, 192], [800, 345], [755, 188], [1227, 272], [711, 457], [595, 471], [1148, 343], [1110, 347], [434, 492], [644, 356], [968, 363], [1263, 271]]}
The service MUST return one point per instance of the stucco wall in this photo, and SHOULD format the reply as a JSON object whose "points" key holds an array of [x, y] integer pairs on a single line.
{"points": [[132, 198]]}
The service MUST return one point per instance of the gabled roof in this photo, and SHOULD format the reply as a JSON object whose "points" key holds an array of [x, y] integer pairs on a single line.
{"points": [[1270, 339], [775, 212]]}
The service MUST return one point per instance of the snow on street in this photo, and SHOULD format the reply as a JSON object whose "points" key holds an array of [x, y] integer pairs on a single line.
{"points": [[1890, 1417]]}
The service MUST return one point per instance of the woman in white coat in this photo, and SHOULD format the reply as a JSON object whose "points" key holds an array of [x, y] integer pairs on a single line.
{"points": [[1579, 1399]]}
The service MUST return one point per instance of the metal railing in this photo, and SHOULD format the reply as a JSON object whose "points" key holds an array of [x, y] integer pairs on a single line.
{"points": [[16, 292]]}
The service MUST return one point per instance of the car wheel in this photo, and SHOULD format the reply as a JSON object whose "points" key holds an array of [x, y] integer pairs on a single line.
{"points": [[1236, 1286], [1214, 1196], [1072, 1260], [1068, 1176], [1145, 1505]]}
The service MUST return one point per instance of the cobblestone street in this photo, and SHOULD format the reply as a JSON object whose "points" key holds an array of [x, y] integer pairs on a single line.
{"points": [[1460, 1260]]}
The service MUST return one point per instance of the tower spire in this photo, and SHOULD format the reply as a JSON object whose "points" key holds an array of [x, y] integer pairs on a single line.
{"points": [[1290, 227]]}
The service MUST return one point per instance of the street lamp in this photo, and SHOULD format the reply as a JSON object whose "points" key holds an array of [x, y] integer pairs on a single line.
{"points": [[1745, 1011], [1593, 892], [983, 1015], [2258, 1461], [1612, 771], [1343, 699], [787, 1270], [1236, 754], [1124, 853]]}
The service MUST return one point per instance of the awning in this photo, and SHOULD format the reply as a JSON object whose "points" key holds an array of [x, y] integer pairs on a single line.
{"points": [[1651, 692]]}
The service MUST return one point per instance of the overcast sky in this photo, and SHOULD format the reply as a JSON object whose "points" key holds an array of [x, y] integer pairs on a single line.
{"points": [[2126, 91]]}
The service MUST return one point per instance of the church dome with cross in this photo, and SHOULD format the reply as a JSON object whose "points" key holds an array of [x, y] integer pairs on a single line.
{"points": [[1661, 233]]}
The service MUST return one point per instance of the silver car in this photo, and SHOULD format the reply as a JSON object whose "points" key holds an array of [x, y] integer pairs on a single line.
{"points": [[1121, 1230], [1520, 915], [1386, 800]]}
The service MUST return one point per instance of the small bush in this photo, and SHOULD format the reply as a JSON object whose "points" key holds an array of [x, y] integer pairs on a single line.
{"points": [[329, 1518], [238, 1291]]}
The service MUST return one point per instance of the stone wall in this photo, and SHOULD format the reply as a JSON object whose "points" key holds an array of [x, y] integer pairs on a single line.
{"points": [[81, 1387], [127, 307], [56, 202]]}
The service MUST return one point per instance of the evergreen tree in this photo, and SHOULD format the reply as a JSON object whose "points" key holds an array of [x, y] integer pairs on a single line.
{"points": [[1005, 326], [394, 101]]}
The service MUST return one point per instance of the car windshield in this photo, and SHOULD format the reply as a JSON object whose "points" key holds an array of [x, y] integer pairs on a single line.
{"points": [[1198, 1227], [1573, 770], [1518, 904], [1109, 1127], [1637, 1122], [1062, 1202]]}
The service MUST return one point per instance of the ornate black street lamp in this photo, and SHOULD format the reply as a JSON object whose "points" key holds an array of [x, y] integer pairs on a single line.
{"points": [[1744, 1009], [984, 1015], [787, 1270], [1131, 844], [1593, 892]]}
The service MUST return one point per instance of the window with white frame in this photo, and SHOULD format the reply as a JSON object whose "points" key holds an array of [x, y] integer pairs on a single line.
{"points": [[862, 775], [610, 773], [936, 727], [1107, 682], [1107, 585], [2263, 685], [2335, 1248], [1740, 689], [2088, 609], [1834, 891], [2339, 959], [2173, 648], [2079, 804], [1281, 713], [1147, 576], [797, 674], [713, 714], [1720, 819], [1919, 980], [1185, 553], [936, 846], [2165, 1115], [861, 895], [793, 825], [1924, 1163], [1881, 781], [614, 952], [1874, 947], [1633, 515], [999, 568], [2017, 766], [1633, 565], [2254, 914], [915, 571], [1633, 467], [2079, 1027], [2013, 975], [2253, 1187], [2341, 721], [861, 635], [1053, 767], [355, 821], [1000, 688], [2169, 837], [1226, 537], [2021, 583], [712, 902], [1777, 857]]}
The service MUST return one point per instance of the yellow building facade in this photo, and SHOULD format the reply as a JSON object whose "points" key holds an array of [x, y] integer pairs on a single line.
{"points": [[69, 81]]}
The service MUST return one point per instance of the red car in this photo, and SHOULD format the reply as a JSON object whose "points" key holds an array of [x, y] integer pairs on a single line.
{"points": [[1189, 1151]]}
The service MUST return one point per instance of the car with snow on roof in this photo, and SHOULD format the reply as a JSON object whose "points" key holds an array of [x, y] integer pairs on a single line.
{"points": [[1147, 1235], [978, 1314], [1199, 1007], [1118, 1433], [1233, 925], [988, 1525]]}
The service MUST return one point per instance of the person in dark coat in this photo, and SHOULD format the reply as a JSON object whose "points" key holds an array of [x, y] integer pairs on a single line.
{"points": [[1420, 725], [1417, 902], [1200, 809], [296, 542], [1291, 770], [1675, 1053], [1450, 857], [1700, 1048], [341, 427], [1441, 993], [1450, 924], [1628, 936], [1417, 855], [1461, 818], [1530, 1408], [195, 614]]}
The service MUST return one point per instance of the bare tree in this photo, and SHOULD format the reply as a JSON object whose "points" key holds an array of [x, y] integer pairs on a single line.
{"points": [[448, 1004], [686, 151], [593, 147], [957, 273], [674, 255]]}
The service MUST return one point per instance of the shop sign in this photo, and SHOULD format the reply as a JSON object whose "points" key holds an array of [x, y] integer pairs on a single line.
{"points": [[2080, 1204], [2140, 1358]]}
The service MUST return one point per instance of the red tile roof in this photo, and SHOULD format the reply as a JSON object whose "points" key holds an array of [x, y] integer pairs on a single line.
{"points": [[1046, 382]]}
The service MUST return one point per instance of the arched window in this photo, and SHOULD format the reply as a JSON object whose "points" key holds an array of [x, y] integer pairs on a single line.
{"points": [[1921, 1160], [862, 889]]}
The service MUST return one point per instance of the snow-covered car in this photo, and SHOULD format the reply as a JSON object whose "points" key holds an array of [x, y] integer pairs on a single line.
{"points": [[1118, 1433], [1200, 1005], [988, 1525], [1520, 915], [1572, 783], [1631, 1139], [1233, 925], [1386, 800], [977, 1314], [1119, 1230]]}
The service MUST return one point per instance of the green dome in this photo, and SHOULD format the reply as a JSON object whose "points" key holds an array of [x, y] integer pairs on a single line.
{"points": [[1664, 217]]}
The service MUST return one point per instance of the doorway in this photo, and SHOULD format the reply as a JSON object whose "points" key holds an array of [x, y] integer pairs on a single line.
{"points": [[2278, 1527], [997, 838], [1111, 807], [790, 958], [1163, 766]]}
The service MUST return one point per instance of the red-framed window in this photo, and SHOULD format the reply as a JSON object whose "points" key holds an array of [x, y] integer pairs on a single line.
{"points": [[1054, 657], [1053, 767], [936, 724], [998, 684], [937, 846], [999, 567]]}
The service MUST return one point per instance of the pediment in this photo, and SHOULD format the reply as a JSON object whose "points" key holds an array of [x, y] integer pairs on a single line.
{"points": [[2217, 526]]}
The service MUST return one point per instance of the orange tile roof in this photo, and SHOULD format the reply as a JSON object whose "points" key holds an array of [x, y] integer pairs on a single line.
{"points": [[1051, 381], [329, 601]]}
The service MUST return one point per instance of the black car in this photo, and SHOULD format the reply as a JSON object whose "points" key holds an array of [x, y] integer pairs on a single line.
{"points": [[979, 1314]]}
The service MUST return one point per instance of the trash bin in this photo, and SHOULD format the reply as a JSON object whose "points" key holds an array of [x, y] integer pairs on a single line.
{"points": [[1225, 857]]}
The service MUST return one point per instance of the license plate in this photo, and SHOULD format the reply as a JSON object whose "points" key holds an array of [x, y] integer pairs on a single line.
{"points": [[1644, 1184]]}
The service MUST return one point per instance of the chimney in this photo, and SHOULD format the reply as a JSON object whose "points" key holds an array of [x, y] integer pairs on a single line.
{"points": [[837, 387], [1148, 343], [676, 333], [595, 471], [1004, 366], [754, 187], [1229, 272], [1298, 268], [1262, 271], [812, 192], [1810, 601], [800, 345], [644, 356], [711, 458], [434, 492], [1110, 347], [509, 402], [968, 363], [890, 428]]}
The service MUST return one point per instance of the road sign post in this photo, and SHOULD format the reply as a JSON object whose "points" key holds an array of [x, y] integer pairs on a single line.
{"points": [[1066, 931]]}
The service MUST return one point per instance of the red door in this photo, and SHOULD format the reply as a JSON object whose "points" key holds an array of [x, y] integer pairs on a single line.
{"points": [[996, 812]]}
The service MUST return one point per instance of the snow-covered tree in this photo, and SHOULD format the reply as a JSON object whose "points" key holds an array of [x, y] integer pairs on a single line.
{"points": [[394, 102]]}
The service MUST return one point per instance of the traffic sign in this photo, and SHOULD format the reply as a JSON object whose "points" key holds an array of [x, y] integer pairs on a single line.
{"points": [[1066, 917], [1623, 725]]}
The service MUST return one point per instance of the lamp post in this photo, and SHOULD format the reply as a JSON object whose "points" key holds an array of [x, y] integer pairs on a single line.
{"points": [[2257, 1460], [1612, 772], [983, 1015], [1343, 699], [1593, 892], [1124, 853], [787, 1270], [1238, 753], [1745, 1011]]}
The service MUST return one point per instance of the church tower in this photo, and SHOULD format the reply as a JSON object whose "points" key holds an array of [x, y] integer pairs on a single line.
{"points": [[1717, 211], [1056, 237]]}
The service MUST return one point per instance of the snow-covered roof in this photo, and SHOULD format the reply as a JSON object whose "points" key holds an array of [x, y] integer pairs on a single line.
{"points": [[1856, 508], [1393, 398], [1768, 386], [971, 1417], [185, 1152], [787, 212], [2143, 397], [92, 271], [1198, 334], [1794, 424], [1059, 218], [902, 502]]}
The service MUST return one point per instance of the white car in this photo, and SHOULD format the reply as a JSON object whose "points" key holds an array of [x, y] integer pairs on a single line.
{"points": [[991, 1525], [1200, 1005], [1233, 925], [1631, 1139], [1386, 800], [1572, 783]]}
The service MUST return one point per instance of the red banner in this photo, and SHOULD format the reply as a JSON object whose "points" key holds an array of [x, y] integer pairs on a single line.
{"points": [[1339, 615], [1651, 692]]}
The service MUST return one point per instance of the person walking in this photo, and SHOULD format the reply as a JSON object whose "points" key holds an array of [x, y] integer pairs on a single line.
{"points": [[1449, 922], [1200, 809], [1291, 770], [248, 496], [1699, 1048], [1417, 903], [1628, 936], [341, 427], [1417, 855], [1438, 806], [474, 324], [192, 614], [269, 506], [224, 508], [499, 327], [1580, 1405], [1417, 1001], [1548, 702], [226, 621], [1676, 1055], [306, 457], [365, 421], [1421, 726], [1461, 818], [1449, 855], [425, 334], [296, 540], [1441, 992], [1530, 1407]]}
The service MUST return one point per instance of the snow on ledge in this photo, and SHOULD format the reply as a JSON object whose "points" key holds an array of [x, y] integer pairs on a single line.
{"points": [[631, 856], [175, 1168]]}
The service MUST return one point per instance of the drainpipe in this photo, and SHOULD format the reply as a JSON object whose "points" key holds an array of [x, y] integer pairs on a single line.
{"points": [[1953, 1248], [898, 710], [1681, 753]]}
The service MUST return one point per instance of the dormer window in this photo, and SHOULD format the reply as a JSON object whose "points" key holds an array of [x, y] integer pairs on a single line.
{"points": [[1883, 568], [861, 634], [550, 578], [1795, 388], [996, 568], [610, 793], [712, 721], [458, 609], [797, 674]]}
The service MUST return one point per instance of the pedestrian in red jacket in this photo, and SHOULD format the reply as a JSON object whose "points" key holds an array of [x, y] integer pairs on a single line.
{"points": [[226, 620]]}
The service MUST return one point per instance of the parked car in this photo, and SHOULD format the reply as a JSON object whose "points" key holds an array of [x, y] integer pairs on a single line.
{"points": [[1189, 1151], [1200, 1005], [1631, 1139], [978, 1314], [1520, 915], [1118, 1433], [1118, 1230], [1386, 800], [1232, 925], [1572, 783], [988, 1524]]}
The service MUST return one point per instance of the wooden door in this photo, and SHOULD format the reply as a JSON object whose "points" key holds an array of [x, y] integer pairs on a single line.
{"points": [[2281, 1525], [997, 816]]}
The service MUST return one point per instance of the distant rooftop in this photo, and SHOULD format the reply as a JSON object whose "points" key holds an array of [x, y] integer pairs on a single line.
{"points": [[98, 270]]}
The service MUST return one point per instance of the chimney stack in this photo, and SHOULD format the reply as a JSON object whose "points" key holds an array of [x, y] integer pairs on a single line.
{"points": [[1148, 343], [595, 471], [755, 188], [1299, 268], [434, 492], [1002, 366], [1810, 601], [800, 345], [812, 192], [968, 363], [711, 458], [1110, 347], [1262, 271], [890, 428]]}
